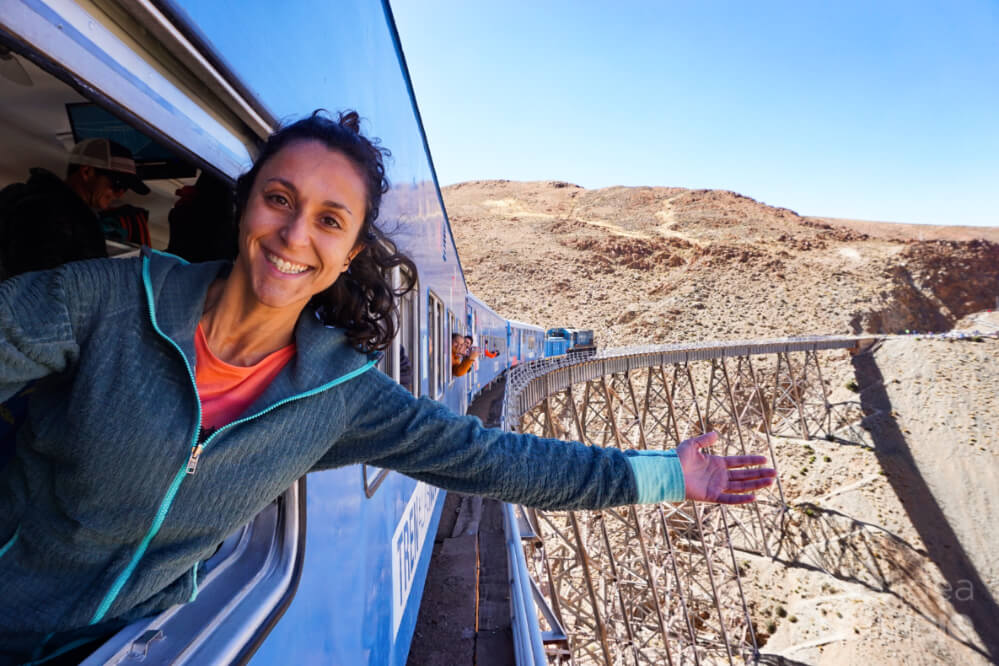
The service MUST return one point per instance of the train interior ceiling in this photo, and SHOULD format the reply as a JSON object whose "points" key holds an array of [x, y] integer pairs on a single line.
{"points": [[42, 118]]}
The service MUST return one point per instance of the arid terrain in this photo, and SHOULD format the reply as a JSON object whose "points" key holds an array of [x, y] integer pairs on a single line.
{"points": [[659, 264], [909, 574]]}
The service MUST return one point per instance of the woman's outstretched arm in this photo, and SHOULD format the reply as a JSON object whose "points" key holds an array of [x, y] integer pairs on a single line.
{"points": [[425, 440]]}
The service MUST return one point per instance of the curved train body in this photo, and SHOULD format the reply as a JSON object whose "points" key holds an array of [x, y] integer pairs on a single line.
{"points": [[333, 571]]}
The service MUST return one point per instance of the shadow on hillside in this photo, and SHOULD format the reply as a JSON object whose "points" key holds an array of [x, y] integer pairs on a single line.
{"points": [[862, 553], [777, 660], [942, 544]]}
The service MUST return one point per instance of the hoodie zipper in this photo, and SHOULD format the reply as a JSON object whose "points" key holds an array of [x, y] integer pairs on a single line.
{"points": [[197, 448]]}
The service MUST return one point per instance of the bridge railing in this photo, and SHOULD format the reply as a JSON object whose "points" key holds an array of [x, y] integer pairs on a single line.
{"points": [[657, 584]]}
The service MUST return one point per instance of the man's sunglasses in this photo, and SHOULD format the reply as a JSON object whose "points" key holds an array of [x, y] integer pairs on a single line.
{"points": [[119, 182]]}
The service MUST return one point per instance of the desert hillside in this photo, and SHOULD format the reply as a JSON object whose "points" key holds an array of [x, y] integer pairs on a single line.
{"points": [[660, 264]]}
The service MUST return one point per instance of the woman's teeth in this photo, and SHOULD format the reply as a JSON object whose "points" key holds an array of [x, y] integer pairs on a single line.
{"points": [[285, 266]]}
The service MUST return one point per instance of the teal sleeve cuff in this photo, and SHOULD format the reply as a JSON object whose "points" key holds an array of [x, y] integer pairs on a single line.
{"points": [[658, 476]]}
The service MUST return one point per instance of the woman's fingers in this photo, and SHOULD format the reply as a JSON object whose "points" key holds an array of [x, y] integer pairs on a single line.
{"points": [[752, 473], [707, 439], [744, 461], [747, 486], [727, 498]]}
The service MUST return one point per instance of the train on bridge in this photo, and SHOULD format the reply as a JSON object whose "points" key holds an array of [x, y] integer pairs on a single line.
{"points": [[333, 570]]}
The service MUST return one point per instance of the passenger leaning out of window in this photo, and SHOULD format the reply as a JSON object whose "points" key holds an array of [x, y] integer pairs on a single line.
{"points": [[462, 355], [178, 400], [47, 221]]}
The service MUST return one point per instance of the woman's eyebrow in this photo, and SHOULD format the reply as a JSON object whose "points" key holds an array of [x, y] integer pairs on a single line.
{"points": [[282, 181], [294, 190]]}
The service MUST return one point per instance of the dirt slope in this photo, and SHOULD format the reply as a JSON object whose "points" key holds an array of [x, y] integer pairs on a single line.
{"points": [[658, 264]]}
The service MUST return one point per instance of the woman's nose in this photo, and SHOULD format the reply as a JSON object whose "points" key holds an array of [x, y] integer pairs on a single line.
{"points": [[295, 232]]}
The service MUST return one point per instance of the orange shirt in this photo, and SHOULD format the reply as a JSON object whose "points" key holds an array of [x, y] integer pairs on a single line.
{"points": [[227, 390], [460, 365]]}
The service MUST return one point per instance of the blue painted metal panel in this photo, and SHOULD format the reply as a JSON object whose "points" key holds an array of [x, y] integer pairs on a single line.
{"points": [[343, 610]]}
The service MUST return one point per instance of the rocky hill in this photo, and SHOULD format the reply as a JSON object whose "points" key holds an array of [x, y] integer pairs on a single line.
{"points": [[660, 264]]}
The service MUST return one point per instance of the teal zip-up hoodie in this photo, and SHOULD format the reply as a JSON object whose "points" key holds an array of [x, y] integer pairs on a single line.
{"points": [[99, 521]]}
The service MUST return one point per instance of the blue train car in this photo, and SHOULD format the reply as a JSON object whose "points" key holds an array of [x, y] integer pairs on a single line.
{"points": [[564, 340], [489, 333], [525, 341], [193, 88]]}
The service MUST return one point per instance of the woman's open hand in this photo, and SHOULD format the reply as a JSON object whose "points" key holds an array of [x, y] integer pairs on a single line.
{"points": [[718, 478]]}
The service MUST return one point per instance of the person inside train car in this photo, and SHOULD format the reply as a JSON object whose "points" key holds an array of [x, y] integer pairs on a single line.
{"points": [[202, 221], [176, 401], [462, 357], [48, 221]]}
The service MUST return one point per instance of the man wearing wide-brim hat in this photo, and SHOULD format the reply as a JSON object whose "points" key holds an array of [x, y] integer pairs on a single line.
{"points": [[48, 221]]}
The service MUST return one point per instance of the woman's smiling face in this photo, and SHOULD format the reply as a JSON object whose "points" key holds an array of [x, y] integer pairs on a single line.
{"points": [[301, 223]]}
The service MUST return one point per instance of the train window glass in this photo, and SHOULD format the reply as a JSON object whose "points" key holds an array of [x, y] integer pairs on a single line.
{"points": [[391, 363], [440, 350], [409, 339], [406, 341]]}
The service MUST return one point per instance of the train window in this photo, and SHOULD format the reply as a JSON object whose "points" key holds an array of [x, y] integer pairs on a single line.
{"points": [[454, 326], [439, 353], [40, 123], [407, 341], [397, 361], [409, 338]]}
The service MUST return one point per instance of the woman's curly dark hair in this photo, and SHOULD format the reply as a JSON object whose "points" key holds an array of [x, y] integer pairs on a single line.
{"points": [[362, 300]]}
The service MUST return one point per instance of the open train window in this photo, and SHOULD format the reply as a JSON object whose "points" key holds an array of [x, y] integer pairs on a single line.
{"points": [[454, 327], [249, 582], [43, 118]]}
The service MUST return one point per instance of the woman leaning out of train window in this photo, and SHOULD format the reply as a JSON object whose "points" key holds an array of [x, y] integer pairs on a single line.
{"points": [[174, 401]]}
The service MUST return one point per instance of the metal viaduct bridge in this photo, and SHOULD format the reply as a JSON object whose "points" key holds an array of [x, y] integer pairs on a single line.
{"points": [[653, 584]]}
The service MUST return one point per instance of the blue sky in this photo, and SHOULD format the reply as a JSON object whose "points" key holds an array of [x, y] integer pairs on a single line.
{"points": [[872, 110]]}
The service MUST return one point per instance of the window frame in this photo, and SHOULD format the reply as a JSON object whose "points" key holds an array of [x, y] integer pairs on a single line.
{"points": [[247, 586], [440, 348], [408, 320]]}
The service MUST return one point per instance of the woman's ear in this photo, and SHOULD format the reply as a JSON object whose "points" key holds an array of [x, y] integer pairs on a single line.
{"points": [[353, 253]]}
